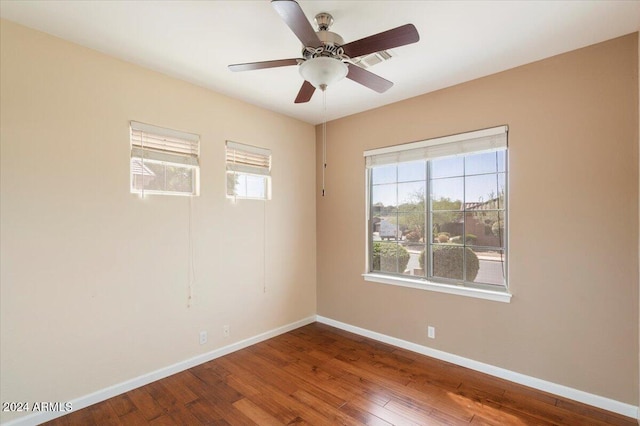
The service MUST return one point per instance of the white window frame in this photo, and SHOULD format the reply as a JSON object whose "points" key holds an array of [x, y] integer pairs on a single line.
{"points": [[158, 145], [249, 161], [485, 140]]}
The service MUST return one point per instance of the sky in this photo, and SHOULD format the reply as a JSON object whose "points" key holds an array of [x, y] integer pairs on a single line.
{"points": [[473, 178]]}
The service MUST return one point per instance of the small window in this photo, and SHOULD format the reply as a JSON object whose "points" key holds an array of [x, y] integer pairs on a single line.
{"points": [[438, 210], [248, 171], [163, 161]]}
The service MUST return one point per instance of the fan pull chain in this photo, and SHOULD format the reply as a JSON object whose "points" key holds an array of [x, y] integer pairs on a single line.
{"points": [[324, 135]]}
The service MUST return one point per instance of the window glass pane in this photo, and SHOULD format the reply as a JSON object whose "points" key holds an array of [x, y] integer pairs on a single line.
{"points": [[421, 260], [383, 199], [256, 186], [241, 185], [413, 171], [447, 261], [447, 194], [410, 195], [502, 161], [411, 227], [384, 174], [385, 228], [415, 250], [484, 228], [141, 174], [502, 188], [164, 177], [482, 191], [442, 218], [491, 267], [447, 167], [447, 227], [481, 163], [389, 257], [375, 228], [376, 249], [244, 185], [232, 182]]}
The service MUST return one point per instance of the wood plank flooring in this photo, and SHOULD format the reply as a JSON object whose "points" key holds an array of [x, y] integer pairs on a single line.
{"points": [[320, 375]]}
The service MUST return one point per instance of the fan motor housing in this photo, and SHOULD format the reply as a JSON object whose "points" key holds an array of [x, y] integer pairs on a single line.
{"points": [[328, 37], [330, 40], [330, 44]]}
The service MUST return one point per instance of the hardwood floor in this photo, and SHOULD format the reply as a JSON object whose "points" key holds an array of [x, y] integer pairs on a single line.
{"points": [[320, 375]]}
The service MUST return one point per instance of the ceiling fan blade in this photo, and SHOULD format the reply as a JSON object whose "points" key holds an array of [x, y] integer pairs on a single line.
{"points": [[265, 64], [305, 93], [368, 79], [292, 14], [396, 37]]}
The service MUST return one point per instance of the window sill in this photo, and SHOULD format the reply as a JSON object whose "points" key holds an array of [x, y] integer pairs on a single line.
{"points": [[497, 296]]}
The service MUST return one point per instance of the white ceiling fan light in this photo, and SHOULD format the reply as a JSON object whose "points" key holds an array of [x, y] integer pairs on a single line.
{"points": [[323, 71]]}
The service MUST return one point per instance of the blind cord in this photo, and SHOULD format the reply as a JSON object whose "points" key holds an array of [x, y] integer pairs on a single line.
{"points": [[142, 163], [235, 180], [264, 246], [192, 270], [191, 260]]}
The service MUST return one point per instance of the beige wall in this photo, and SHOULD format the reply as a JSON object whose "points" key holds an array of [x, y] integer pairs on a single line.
{"points": [[573, 137], [94, 279]]}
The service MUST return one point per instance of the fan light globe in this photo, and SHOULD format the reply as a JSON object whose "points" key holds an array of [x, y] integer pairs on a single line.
{"points": [[322, 72]]}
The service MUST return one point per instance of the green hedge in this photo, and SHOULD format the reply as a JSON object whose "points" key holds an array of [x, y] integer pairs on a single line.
{"points": [[389, 257], [470, 239], [447, 262], [498, 228]]}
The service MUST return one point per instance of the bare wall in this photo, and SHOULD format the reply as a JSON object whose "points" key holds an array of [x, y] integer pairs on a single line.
{"points": [[573, 182], [94, 280]]}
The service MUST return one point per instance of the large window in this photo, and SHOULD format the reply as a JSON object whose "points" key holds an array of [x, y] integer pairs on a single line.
{"points": [[437, 210], [163, 161], [248, 171]]}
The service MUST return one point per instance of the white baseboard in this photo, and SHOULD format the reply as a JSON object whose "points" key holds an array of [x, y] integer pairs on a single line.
{"points": [[543, 385], [117, 389]]}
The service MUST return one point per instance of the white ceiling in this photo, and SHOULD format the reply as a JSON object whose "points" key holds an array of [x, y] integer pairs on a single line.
{"points": [[196, 40]]}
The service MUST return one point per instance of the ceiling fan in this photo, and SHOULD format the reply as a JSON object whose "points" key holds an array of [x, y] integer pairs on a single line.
{"points": [[326, 58]]}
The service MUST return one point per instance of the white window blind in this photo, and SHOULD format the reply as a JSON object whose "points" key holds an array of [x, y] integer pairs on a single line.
{"points": [[486, 140], [248, 171], [157, 143], [163, 161], [248, 159]]}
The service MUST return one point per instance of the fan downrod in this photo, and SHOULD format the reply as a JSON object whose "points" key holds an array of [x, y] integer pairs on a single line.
{"points": [[323, 20]]}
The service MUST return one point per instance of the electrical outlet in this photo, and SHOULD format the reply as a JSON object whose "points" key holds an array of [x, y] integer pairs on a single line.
{"points": [[225, 331], [431, 332], [203, 337]]}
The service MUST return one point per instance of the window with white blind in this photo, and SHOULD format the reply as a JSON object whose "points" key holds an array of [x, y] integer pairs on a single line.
{"points": [[437, 214], [164, 161], [248, 171]]}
